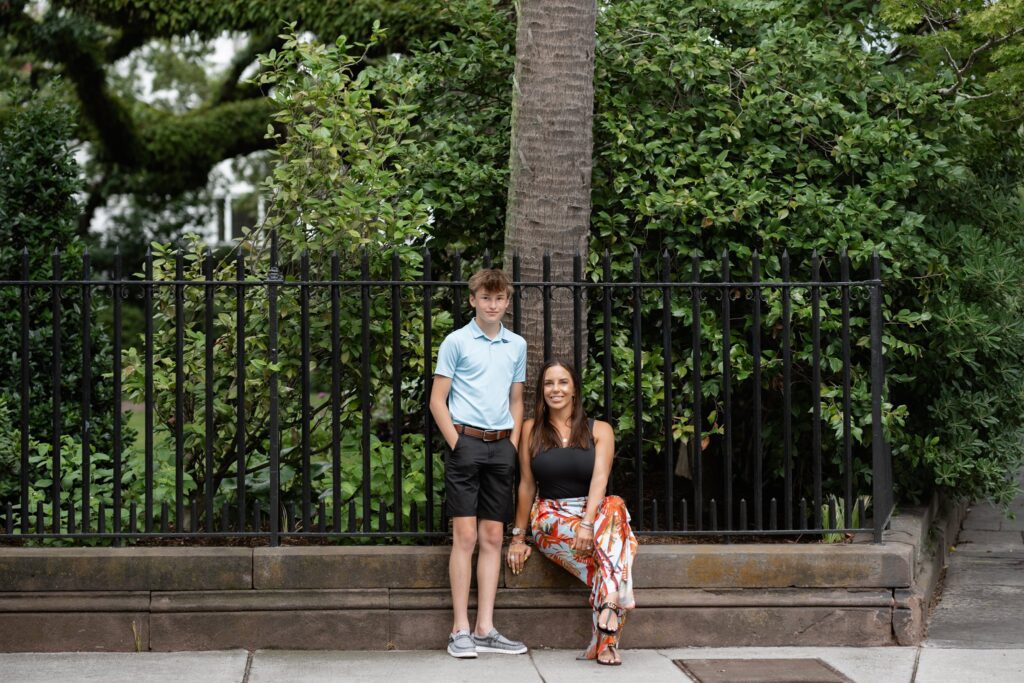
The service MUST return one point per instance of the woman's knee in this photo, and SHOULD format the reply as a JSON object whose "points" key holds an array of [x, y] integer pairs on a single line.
{"points": [[614, 504]]}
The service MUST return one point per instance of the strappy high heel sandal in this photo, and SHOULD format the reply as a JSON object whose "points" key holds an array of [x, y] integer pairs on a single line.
{"points": [[614, 609], [613, 651]]}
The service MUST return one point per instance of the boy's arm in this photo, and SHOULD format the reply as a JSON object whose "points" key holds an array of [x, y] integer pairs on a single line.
{"points": [[515, 406], [439, 409]]}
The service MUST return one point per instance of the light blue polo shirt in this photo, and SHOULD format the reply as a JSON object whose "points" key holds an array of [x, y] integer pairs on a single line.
{"points": [[482, 371]]}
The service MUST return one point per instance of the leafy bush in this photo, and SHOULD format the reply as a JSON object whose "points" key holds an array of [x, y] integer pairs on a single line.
{"points": [[771, 126], [338, 188], [38, 212]]}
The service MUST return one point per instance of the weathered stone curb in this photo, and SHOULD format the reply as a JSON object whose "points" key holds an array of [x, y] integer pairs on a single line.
{"points": [[751, 566], [168, 599], [350, 567], [121, 569], [931, 531]]}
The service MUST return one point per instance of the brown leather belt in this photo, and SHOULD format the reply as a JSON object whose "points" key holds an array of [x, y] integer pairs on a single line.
{"points": [[484, 434]]}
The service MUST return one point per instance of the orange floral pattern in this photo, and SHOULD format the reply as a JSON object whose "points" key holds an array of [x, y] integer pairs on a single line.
{"points": [[609, 569]]}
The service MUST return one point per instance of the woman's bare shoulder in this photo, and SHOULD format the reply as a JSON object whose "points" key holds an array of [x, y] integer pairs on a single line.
{"points": [[603, 429]]}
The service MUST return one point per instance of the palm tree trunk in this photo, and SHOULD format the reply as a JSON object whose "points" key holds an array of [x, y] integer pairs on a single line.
{"points": [[550, 162]]}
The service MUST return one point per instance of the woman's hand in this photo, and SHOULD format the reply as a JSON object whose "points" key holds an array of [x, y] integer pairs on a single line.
{"points": [[518, 553], [583, 543]]}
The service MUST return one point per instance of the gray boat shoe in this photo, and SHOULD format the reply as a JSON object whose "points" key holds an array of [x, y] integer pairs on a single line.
{"points": [[495, 642], [461, 645]]}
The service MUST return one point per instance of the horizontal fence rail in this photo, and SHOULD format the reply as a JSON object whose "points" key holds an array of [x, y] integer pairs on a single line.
{"points": [[254, 400]]}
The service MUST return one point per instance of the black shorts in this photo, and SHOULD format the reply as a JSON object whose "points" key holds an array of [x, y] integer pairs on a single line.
{"points": [[478, 478]]}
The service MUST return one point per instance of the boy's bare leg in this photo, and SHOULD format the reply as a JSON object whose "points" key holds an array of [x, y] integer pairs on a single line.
{"points": [[460, 569], [488, 567]]}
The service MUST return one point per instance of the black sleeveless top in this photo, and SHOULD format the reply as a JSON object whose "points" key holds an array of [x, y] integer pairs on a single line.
{"points": [[564, 472]]}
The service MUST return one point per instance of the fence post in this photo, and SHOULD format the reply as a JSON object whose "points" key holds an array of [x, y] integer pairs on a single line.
{"points": [[879, 479], [56, 404], [428, 379], [397, 507], [86, 395], [240, 470], [698, 409], [117, 291], [638, 404], [274, 279], [727, 387], [208, 305], [148, 391], [668, 370], [25, 388]]}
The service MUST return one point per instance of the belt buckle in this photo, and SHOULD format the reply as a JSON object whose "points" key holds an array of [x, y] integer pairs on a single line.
{"points": [[491, 434]]}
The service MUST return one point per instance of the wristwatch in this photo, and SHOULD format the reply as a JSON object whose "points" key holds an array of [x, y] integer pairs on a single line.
{"points": [[516, 531]]}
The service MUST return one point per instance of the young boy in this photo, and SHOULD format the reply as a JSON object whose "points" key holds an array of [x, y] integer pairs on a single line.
{"points": [[477, 402]]}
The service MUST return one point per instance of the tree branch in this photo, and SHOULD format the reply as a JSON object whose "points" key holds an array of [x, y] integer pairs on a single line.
{"points": [[96, 198], [181, 149], [131, 38], [65, 39], [231, 90], [173, 153], [960, 71]]}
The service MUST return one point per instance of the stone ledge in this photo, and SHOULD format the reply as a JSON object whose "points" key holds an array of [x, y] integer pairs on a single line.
{"points": [[95, 601], [888, 565], [750, 566], [291, 630], [381, 597], [79, 631], [657, 566], [426, 599], [669, 627], [350, 567], [546, 598], [270, 600], [121, 569]]}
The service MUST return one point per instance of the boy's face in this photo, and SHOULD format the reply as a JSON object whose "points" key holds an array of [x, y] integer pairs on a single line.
{"points": [[489, 306]]}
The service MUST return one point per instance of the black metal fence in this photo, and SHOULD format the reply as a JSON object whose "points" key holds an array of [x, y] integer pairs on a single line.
{"points": [[274, 405]]}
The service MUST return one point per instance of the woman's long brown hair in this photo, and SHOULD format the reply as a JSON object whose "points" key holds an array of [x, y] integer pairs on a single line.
{"points": [[544, 435]]}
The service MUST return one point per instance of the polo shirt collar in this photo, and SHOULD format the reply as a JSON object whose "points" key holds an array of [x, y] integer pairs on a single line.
{"points": [[477, 332]]}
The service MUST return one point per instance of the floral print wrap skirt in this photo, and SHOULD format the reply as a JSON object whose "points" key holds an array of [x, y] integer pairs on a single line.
{"points": [[609, 569]]}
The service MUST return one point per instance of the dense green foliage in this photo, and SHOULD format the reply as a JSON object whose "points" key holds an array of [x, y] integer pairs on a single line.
{"points": [[38, 181], [739, 126], [766, 126], [717, 126], [158, 147], [977, 45], [338, 186]]}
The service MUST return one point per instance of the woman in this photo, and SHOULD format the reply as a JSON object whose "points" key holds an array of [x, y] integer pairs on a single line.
{"points": [[564, 462]]}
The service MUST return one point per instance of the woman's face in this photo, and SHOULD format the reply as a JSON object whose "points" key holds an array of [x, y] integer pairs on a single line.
{"points": [[558, 388]]}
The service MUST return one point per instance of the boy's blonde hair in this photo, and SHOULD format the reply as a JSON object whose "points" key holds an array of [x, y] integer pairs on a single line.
{"points": [[490, 280]]}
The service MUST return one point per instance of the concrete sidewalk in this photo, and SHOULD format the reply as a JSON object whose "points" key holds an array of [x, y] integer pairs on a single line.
{"points": [[863, 665], [982, 602]]}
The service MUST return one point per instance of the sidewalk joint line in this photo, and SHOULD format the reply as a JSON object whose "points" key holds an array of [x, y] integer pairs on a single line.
{"points": [[529, 653], [248, 666], [917, 662]]}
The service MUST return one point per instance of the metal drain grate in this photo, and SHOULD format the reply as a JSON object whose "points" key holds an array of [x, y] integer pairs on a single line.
{"points": [[760, 671]]}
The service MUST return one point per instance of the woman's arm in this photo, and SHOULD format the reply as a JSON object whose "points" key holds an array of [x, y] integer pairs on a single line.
{"points": [[518, 550], [604, 452], [527, 484]]}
